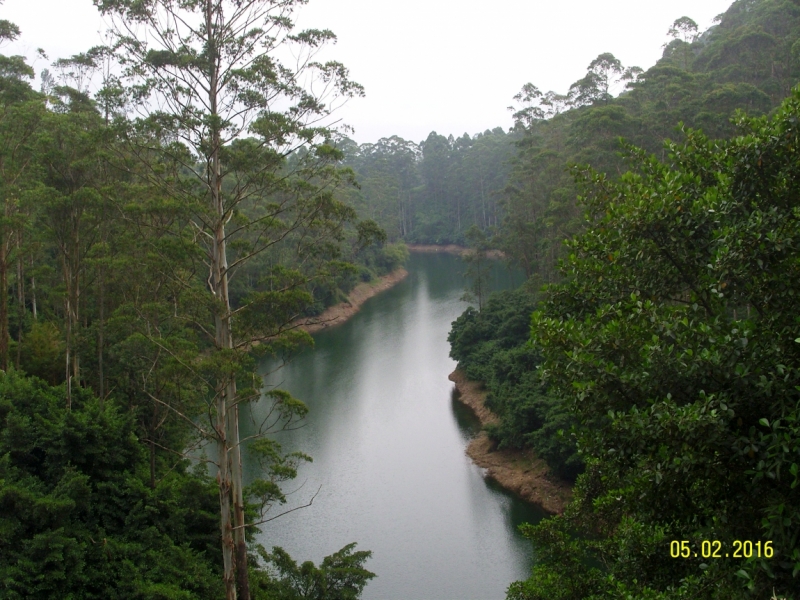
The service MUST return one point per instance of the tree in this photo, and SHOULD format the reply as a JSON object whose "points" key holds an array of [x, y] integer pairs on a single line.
{"points": [[673, 341], [493, 346], [585, 91], [594, 86], [604, 68], [555, 103], [73, 175], [341, 576], [387, 171], [683, 33], [8, 30], [684, 29], [227, 128], [78, 519], [531, 99], [631, 76], [21, 113], [435, 167], [477, 267]]}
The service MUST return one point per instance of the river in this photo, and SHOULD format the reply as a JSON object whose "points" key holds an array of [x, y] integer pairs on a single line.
{"points": [[388, 441]]}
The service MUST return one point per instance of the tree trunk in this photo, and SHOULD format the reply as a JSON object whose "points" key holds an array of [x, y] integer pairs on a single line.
{"points": [[224, 482], [67, 355], [242, 576], [102, 310], [20, 303], [230, 462], [226, 399], [101, 340], [33, 294], [4, 305], [72, 323], [483, 198], [75, 286], [152, 464]]}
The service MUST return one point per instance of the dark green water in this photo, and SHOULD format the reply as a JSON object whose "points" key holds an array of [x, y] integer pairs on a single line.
{"points": [[388, 443]]}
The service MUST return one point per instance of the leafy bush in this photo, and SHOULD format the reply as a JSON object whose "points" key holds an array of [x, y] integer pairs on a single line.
{"points": [[674, 341], [341, 576], [492, 346], [77, 517]]}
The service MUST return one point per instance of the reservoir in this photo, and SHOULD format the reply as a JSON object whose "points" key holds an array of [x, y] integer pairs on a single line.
{"points": [[388, 440]]}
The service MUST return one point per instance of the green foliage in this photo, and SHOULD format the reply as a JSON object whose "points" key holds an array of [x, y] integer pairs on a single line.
{"points": [[744, 62], [515, 187], [121, 235], [104, 282], [434, 191], [340, 576], [672, 340], [77, 517], [381, 259], [275, 466], [391, 257], [477, 267], [492, 347], [42, 352]]}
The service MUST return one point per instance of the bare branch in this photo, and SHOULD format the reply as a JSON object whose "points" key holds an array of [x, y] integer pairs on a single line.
{"points": [[261, 522]]}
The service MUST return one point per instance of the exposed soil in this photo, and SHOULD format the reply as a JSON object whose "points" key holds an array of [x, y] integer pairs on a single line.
{"points": [[339, 313], [451, 249], [518, 471]]}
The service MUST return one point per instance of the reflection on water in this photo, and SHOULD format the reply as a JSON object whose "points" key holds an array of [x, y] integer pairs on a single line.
{"points": [[468, 422], [388, 444]]}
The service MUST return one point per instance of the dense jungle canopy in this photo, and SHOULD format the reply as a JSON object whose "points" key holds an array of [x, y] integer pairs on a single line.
{"points": [[149, 257]]}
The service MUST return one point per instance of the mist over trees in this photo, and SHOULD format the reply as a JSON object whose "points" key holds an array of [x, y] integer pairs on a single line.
{"points": [[672, 341], [516, 187], [661, 363], [432, 192], [164, 225]]}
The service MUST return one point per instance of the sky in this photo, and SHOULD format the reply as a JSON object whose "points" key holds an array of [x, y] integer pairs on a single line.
{"points": [[450, 66]]}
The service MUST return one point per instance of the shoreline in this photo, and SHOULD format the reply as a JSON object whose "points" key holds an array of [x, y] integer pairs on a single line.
{"points": [[518, 471], [450, 249], [339, 313]]}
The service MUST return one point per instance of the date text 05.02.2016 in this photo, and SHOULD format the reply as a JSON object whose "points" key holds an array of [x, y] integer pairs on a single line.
{"points": [[717, 549]]}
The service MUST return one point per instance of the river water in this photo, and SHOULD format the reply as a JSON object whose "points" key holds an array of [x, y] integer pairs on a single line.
{"points": [[388, 441]]}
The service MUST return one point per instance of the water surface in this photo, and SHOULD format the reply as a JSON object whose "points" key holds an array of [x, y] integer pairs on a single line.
{"points": [[388, 441]]}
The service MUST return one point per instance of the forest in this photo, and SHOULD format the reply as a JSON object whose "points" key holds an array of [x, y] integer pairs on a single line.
{"points": [[155, 241], [162, 232], [659, 369]]}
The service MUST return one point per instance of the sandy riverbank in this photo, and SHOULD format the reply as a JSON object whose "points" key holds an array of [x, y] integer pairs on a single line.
{"points": [[339, 313], [520, 472], [450, 249]]}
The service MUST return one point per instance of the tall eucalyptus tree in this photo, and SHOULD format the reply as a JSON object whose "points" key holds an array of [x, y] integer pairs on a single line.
{"points": [[21, 113], [225, 91]]}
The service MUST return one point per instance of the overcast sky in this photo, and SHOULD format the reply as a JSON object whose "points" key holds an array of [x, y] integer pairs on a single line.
{"points": [[451, 66]]}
